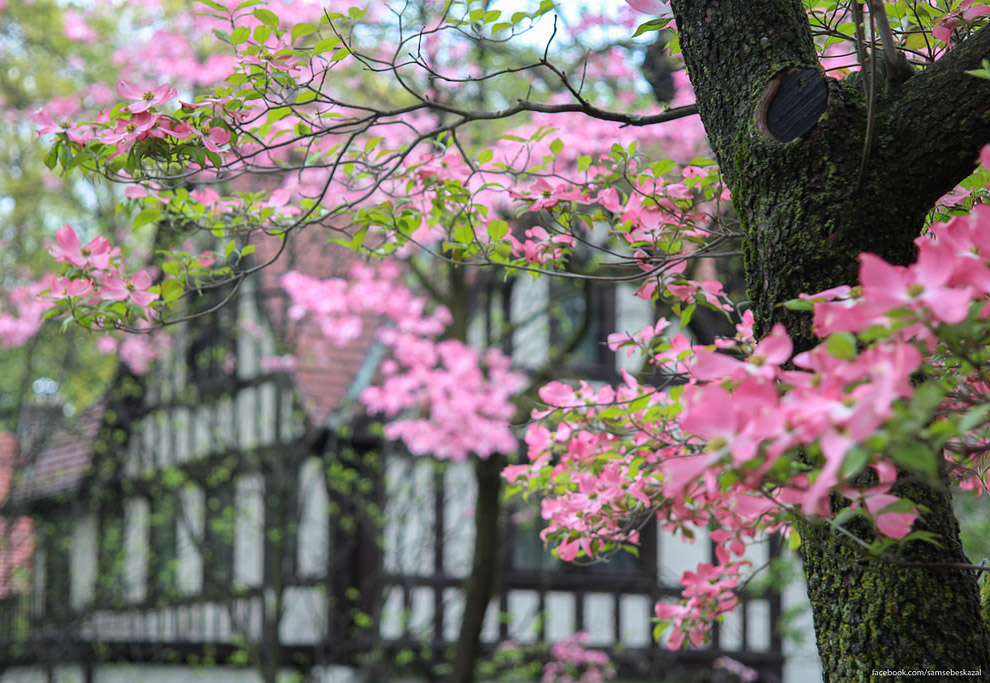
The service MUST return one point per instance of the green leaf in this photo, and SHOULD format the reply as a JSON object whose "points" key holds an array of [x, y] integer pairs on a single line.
{"points": [[556, 146], [223, 35], [915, 456], [229, 248], [240, 34], [794, 540], [267, 17], [484, 156], [171, 290], [497, 229], [300, 30], [687, 314], [854, 462], [147, 216], [977, 416], [277, 114], [799, 305], [262, 33], [214, 5], [657, 24], [358, 240], [841, 345], [982, 73], [326, 45]]}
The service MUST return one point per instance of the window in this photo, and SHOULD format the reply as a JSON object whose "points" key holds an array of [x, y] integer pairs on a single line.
{"points": [[218, 539], [110, 556], [582, 315], [57, 548], [211, 354], [281, 534], [162, 541], [528, 549], [529, 553]]}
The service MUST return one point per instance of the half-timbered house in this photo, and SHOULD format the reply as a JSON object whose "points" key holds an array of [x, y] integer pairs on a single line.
{"points": [[225, 511]]}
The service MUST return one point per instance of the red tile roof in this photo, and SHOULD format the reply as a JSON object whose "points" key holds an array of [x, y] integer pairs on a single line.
{"points": [[16, 537], [326, 372], [62, 459]]}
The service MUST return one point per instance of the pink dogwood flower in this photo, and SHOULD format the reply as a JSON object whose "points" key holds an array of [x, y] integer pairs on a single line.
{"points": [[145, 99], [68, 249], [133, 290]]}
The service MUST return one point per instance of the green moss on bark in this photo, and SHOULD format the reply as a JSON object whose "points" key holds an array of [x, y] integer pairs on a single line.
{"points": [[807, 213]]}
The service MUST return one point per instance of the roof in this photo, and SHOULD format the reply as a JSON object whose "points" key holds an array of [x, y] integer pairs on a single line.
{"points": [[16, 537], [62, 457], [326, 374]]}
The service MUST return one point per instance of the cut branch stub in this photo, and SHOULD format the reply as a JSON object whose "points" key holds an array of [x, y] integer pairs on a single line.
{"points": [[793, 104]]}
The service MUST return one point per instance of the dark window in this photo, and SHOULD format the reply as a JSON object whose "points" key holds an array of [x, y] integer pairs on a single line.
{"points": [[582, 315], [162, 543], [529, 553], [218, 539], [281, 533], [211, 353], [528, 549], [110, 556], [57, 547]]}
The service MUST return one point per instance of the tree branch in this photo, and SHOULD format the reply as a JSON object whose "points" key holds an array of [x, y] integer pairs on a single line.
{"points": [[947, 113]]}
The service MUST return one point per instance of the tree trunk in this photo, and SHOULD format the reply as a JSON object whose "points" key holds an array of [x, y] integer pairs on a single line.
{"points": [[808, 210], [480, 585]]}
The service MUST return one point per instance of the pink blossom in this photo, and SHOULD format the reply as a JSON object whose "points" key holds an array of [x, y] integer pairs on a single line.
{"points": [[216, 137], [145, 99], [67, 249], [133, 290], [48, 125], [655, 8]]}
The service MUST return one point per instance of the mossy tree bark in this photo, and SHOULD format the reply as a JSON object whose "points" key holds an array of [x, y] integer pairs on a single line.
{"points": [[808, 211]]}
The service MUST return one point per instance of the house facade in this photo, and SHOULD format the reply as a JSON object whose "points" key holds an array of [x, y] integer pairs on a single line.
{"points": [[226, 518]]}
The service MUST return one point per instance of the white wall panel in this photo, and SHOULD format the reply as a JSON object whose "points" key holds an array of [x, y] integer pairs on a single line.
{"points": [[635, 628], [531, 340], [304, 617], [189, 569], [314, 520], [249, 530], [561, 615], [82, 575], [524, 615], [599, 618], [136, 517], [409, 515], [460, 491]]}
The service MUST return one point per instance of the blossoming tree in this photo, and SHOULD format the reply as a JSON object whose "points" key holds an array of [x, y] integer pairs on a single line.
{"points": [[849, 397]]}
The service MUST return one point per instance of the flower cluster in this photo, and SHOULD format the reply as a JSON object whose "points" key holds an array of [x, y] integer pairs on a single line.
{"points": [[749, 434], [94, 273], [140, 120], [459, 400], [574, 662]]}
